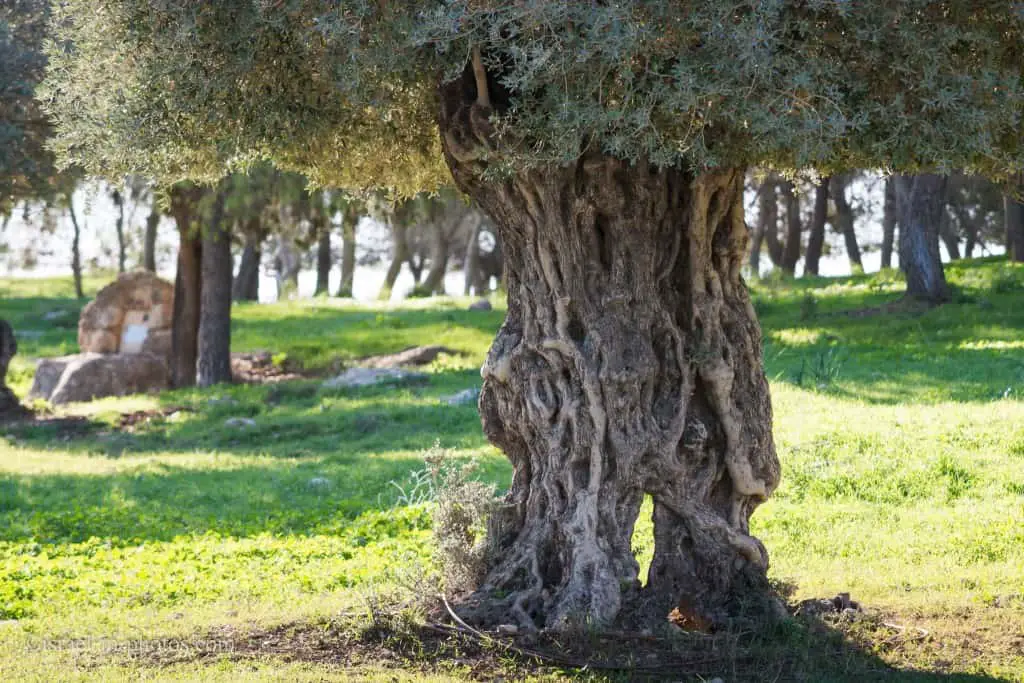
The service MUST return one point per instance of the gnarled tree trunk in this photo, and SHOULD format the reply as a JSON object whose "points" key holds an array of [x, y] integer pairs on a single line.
{"points": [[214, 362], [816, 238], [629, 363], [921, 202]]}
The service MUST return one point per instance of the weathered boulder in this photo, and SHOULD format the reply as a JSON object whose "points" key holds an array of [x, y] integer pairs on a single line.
{"points": [[48, 372], [130, 315], [87, 376]]}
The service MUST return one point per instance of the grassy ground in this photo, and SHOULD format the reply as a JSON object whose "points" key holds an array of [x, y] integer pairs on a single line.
{"points": [[180, 548]]}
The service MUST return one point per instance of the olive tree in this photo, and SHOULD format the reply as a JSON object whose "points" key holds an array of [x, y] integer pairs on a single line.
{"points": [[607, 141]]}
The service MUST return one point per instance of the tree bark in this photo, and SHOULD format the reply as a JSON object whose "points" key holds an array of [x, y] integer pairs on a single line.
{"points": [[888, 221], [348, 253], [816, 238], [791, 251], [399, 256], [1013, 215], [921, 202], [149, 240], [629, 363], [324, 261], [187, 286], [76, 250], [844, 220], [214, 363]]}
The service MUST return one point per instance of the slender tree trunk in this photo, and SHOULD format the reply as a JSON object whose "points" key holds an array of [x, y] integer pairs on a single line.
{"points": [[472, 264], [629, 363], [1013, 215], [247, 283], [187, 286], [122, 248], [76, 251], [816, 238], [434, 282], [348, 254], [921, 201], [888, 221], [948, 234], [844, 220], [791, 251], [400, 256], [768, 201], [287, 265], [149, 241], [214, 364], [324, 261]]}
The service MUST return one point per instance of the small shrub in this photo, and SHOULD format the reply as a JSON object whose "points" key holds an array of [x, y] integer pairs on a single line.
{"points": [[822, 369], [460, 520], [1006, 280]]}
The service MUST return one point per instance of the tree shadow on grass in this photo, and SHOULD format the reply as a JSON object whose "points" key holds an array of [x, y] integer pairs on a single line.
{"points": [[309, 462]]}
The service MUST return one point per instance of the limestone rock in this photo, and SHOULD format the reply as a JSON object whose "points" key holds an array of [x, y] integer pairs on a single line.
{"points": [[365, 377], [481, 305], [417, 355], [48, 372], [131, 315], [88, 376]]}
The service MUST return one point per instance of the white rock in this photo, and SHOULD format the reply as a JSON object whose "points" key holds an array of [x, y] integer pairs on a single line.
{"points": [[365, 377], [240, 422], [508, 629], [462, 398], [319, 483], [55, 315]]}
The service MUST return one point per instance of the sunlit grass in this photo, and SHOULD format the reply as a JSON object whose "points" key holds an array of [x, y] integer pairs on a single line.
{"points": [[901, 438]]}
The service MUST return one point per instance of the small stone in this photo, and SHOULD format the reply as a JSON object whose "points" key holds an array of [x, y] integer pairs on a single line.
{"points": [[240, 422], [481, 305], [222, 401], [716, 679], [176, 416], [319, 483], [508, 629], [462, 398], [54, 315]]}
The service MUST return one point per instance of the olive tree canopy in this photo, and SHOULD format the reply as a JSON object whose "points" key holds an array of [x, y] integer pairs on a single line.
{"points": [[607, 141], [347, 91]]}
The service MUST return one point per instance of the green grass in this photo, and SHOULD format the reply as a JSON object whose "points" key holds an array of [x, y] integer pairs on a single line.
{"points": [[901, 437]]}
